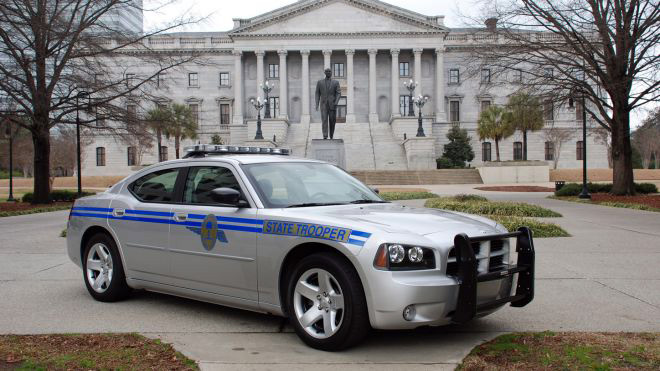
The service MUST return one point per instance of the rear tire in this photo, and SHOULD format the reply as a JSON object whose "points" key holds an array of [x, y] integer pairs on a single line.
{"points": [[103, 271], [326, 302]]}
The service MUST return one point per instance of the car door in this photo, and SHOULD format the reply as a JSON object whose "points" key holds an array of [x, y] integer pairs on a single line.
{"points": [[141, 218], [213, 246]]}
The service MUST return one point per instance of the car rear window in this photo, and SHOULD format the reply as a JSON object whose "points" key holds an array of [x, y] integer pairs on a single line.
{"points": [[155, 187]]}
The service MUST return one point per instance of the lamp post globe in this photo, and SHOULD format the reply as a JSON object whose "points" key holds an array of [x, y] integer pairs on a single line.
{"points": [[411, 86]]}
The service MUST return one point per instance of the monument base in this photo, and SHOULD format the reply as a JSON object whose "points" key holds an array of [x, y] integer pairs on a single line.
{"points": [[329, 150], [420, 153]]}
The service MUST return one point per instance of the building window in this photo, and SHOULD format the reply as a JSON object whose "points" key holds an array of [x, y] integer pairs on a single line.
{"points": [[578, 110], [579, 148], [98, 117], [100, 156], [485, 104], [549, 151], [404, 69], [129, 80], [338, 70], [131, 113], [548, 110], [486, 151], [404, 104], [163, 153], [547, 72], [274, 106], [518, 76], [193, 79], [160, 80], [517, 151], [454, 76], [224, 78], [224, 114], [194, 110], [132, 156], [454, 111], [273, 71], [341, 110], [485, 76]]}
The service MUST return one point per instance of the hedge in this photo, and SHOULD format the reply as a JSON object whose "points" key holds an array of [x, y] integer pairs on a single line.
{"points": [[574, 189], [58, 196]]}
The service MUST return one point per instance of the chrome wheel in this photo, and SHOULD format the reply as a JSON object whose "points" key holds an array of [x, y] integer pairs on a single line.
{"points": [[99, 267], [318, 303]]}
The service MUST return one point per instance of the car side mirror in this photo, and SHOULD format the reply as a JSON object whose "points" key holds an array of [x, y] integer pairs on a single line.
{"points": [[376, 191], [228, 196]]}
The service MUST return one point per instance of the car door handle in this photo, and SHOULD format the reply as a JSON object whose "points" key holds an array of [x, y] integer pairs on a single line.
{"points": [[118, 212], [180, 217]]}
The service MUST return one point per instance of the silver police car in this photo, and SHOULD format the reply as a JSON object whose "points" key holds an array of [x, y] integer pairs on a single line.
{"points": [[254, 228]]}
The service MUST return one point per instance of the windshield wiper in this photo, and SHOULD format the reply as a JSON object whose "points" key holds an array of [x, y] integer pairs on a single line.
{"points": [[310, 204], [369, 202]]}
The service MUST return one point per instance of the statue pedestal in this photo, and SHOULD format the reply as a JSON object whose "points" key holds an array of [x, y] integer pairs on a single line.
{"points": [[420, 153], [269, 127], [329, 150], [408, 125]]}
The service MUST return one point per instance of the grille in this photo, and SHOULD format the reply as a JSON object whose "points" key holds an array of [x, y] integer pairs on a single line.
{"points": [[492, 256]]}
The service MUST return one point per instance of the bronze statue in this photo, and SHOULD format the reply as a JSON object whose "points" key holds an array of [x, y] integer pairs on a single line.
{"points": [[328, 94]]}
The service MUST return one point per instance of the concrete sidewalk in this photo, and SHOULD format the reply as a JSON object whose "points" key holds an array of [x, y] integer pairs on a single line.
{"points": [[604, 278]]}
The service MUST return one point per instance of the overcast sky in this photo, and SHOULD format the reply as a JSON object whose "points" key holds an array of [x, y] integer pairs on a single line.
{"points": [[218, 16]]}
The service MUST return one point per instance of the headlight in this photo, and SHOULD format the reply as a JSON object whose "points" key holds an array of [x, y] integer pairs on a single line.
{"points": [[397, 257]]}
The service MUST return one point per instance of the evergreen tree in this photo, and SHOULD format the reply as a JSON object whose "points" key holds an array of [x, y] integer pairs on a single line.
{"points": [[458, 150]]}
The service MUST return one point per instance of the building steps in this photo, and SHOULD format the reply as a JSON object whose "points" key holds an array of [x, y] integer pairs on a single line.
{"points": [[410, 177]]}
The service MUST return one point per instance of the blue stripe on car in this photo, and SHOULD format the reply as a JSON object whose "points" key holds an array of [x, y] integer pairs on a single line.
{"points": [[356, 242], [360, 234]]}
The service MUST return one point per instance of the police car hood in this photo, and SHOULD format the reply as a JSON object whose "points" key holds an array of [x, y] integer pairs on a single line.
{"points": [[396, 218]]}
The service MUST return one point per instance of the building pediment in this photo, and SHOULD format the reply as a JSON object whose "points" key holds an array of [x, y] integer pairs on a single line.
{"points": [[337, 16]]}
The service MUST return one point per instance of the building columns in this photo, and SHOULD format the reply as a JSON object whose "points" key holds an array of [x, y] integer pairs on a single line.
{"points": [[284, 94], [395, 82], [238, 88], [373, 102], [326, 58], [418, 70], [350, 85], [260, 72], [440, 115], [305, 118]]}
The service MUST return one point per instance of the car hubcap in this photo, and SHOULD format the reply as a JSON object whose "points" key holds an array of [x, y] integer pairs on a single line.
{"points": [[99, 267], [318, 302]]}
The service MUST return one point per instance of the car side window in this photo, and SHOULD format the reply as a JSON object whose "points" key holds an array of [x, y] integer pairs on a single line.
{"points": [[201, 181], [156, 187]]}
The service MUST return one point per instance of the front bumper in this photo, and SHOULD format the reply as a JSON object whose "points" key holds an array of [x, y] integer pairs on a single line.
{"points": [[440, 299]]}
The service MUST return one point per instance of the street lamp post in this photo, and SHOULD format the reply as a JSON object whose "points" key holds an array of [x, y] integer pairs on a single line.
{"points": [[411, 85], [258, 105], [585, 189], [10, 136], [420, 101], [80, 94], [267, 88]]}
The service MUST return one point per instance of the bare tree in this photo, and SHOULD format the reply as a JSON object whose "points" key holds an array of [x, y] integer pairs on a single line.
{"points": [[603, 50], [647, 138], [558, 136], [51, 50]]}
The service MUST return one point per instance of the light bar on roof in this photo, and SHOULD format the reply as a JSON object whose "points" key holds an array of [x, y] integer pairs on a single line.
{"points": [[198, 150]]}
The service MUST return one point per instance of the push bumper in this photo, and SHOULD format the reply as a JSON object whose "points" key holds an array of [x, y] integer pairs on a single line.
{"points": [[468, 277]]}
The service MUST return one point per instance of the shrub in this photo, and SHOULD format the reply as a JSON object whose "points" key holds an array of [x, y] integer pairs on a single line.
{"points": [[574, 189], [465, 198], [395, 196], [458, 150], [491, 208], [58, 196], [444, 163], [539, 229]]}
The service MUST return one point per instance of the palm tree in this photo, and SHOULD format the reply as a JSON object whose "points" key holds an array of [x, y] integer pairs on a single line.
{"points": [[526, 115], [495, 123], [159, 119], [182, 125]]}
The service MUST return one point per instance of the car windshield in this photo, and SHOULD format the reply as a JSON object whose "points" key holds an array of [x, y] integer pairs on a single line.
{"points": [[302, 184]]}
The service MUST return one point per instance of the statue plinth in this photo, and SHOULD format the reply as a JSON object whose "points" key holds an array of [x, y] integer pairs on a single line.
{"points": [[329, 150]]}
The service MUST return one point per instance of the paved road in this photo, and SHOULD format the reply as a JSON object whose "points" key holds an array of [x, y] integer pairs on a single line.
{"points": [[605, 277]]}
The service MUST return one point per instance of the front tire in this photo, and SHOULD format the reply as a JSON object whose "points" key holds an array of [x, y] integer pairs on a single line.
{"points": [[326, 303], [103, 271]]}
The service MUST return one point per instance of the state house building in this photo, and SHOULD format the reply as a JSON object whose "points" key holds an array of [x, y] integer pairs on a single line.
{"points": [[372, 48]]}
